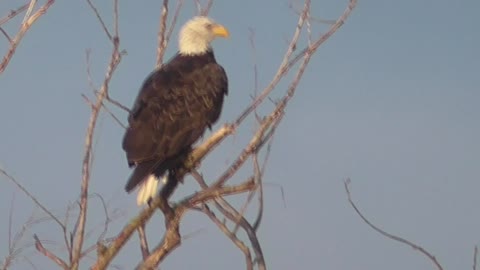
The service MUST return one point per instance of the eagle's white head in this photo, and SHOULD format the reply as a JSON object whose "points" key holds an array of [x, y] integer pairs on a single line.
{"points": [[197, 34]]}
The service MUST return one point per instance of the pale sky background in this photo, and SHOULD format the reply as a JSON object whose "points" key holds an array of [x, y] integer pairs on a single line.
{"points": [[391, 101]]}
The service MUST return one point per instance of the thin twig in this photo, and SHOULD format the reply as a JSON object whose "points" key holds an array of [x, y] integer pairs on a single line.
{"points": [[231, 213], [162, 42], [283, 68], [310, 17], [255, 69], [29, 262], [258, 220], [340, 21], [6, 35], [10, 221], [243, 209], [231, 235], [258, 180], [207, 8], [68, 243], [258, 175], [49, 254], [386, 234], [88, 53], [115, 118], [174, 20], [257, 139], [107, 217], [199, 6], [237, 218], [9, 258], [116, 103], [13, 13], [29, 195], [100, 20], [15, 248]]}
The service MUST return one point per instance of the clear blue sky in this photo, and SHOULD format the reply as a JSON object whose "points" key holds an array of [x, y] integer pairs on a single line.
{"points": [[391, 101]]}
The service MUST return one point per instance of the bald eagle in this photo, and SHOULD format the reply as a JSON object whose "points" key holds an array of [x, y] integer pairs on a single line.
{"points": [[175, 105]]}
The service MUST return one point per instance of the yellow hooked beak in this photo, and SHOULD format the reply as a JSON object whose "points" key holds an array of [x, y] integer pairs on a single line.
{"points": [[220, 31]]}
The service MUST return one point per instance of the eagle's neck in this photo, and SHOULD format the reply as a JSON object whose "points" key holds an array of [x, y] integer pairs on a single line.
{"points": [[191, 44]]}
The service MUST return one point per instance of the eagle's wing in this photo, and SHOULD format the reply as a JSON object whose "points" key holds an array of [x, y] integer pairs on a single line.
{"points": [[171, 112]]}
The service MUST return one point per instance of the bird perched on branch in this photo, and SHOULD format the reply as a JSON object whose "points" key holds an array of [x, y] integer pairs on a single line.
{"points": [[175, 105]]}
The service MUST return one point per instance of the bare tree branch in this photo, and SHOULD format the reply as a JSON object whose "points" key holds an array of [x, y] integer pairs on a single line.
{"points": [[389, 235], [173, 216], [172, 236], [116, 103], [13, 13], [114, 61], [231, 235], [251, 148], [237, 218], [28, 22], [231, 213]]}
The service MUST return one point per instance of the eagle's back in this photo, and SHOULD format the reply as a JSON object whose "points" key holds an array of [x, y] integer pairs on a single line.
{"points": [[173, 108]]}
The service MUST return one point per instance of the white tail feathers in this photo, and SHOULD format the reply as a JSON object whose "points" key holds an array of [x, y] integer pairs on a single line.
{"points": [[148, 189]]}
